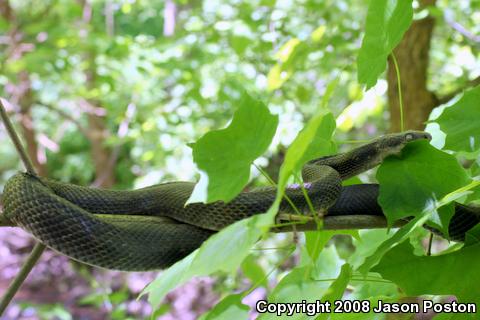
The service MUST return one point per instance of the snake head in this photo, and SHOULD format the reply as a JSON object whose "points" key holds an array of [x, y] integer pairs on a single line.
{"points": [[392, 144]]}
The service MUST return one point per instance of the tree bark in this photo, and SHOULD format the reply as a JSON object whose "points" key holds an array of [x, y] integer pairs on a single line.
{"points": [[412, 55], [101, 154]]}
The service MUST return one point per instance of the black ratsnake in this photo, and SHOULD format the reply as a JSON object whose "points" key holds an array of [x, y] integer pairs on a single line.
{"points": [[151, 228]]}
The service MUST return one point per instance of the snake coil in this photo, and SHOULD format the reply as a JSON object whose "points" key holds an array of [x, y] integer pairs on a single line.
{"points": [[151, 228]]}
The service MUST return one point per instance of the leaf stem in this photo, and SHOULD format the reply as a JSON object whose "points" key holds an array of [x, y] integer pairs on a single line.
{"points": [[270, 180], [399, 85], [39, 247]]}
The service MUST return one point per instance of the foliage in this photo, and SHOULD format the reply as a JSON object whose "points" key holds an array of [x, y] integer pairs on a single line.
{"points": [[226, 155], [420, 173], [439, 275], [461, 133], [298, 56], [386, 23]]}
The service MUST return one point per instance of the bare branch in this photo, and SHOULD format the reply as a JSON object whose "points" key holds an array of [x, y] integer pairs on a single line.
{"points": [[15, 139], [39, 247], [448, 16], [21, 276]]}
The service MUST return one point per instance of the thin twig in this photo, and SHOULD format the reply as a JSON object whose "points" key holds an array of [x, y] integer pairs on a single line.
{"points": [[39, 247], [21, 276], [15, 139], [448, 16]]}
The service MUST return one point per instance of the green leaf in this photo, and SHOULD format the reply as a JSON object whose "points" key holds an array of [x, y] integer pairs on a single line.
{"points": [[337, 288], [230, 307], [365, 289], [369, 241], [303, 283], [291, 52], [437, 275], [387, 21], [415, 181], [460, 122], [168, 280], [296, 286], [223, 251], [253, 271], [313, 141], [397, 238], [315, 241], [225, 156]]}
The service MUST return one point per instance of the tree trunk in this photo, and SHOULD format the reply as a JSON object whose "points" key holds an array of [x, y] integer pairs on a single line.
{"points": [[412, 55], [101, 154], [102, 157]]}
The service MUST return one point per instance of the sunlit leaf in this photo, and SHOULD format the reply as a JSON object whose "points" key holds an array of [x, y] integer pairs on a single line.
{"points": [[253, 271], [397, 238], [460, 122], [224, 251], [313, 141], [315, 241], [292, 51], [225, 156], [230, 307], [304, 283], [318, 33], [387, 21], [337, 288], [287, 49]]}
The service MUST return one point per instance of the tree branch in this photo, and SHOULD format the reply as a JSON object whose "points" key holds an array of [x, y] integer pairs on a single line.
{"points": [[336, 223], [15, 139], [448, 17], [39, 247], [21, 276], [293, 222]]}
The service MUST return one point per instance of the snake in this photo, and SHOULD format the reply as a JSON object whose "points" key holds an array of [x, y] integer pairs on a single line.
{"points": [[152, 228]]}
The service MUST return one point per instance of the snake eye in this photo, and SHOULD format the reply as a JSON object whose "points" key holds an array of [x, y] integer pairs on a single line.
{"points": [[409, 137]]}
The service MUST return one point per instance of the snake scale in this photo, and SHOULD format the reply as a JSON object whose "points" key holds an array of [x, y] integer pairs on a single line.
{"points": [[151, 228]]}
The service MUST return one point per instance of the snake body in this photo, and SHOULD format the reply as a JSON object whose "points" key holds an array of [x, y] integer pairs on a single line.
{"points": [[151, 228]]}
